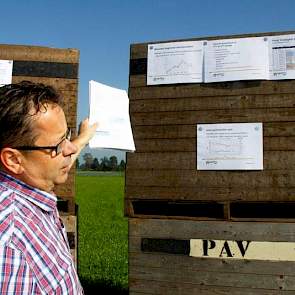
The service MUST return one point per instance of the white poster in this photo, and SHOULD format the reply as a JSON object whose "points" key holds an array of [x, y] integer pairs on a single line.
{"points": [[5, 72], [236, 59], [175, 62], [282, 57], [233, 146], [109, 107]]}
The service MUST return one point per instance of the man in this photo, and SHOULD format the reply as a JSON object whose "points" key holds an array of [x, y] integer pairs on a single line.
{"points": [[36, 153]]}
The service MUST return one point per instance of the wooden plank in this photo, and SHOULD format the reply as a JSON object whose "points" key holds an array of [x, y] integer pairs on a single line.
{"points": [[139, 286], [238, 280], [45, 69], [189, 144], [139, 90], [58, 83], [215, 116], [38, 53], [212, 103], [280, 129], [139, 50], [57, 68], [140, 259], [179, 229], [221, 179], [195, 193], [273, 160]]}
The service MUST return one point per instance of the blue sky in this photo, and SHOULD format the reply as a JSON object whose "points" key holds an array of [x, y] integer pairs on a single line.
{"points": [[104, 30]]}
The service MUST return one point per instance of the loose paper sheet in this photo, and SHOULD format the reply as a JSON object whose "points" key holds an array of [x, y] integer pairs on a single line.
{"points": [[110, 108], [282, 57], [175, 62], [5, 72], [236, 59], [237, 146]]}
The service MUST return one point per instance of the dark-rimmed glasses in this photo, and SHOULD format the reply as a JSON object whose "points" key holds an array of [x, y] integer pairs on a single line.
{"points": [[56, 148]]}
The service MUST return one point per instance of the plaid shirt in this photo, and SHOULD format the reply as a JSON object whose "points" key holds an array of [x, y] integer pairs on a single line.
{"points": [[34, 253]]}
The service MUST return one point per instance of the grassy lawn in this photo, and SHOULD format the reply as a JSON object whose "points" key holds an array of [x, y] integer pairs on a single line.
{"points": [[103, 234]]}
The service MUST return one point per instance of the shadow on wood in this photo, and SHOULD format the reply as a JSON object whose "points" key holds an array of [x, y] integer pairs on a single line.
{"points": [[92, 287]]}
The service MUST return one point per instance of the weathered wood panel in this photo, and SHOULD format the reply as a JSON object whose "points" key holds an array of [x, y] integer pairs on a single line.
{"points": [[57, 68], [140, 50], [38, 53], [273, 160], [172, 288], [189, 145], [162, 174], [178, 229], [160, 260], [212, 103], [138, 88], [45, 69], [222, 179], [171, 272], [270, 129], [237, 280], [216, 116], [70, 224], [59, 83], [209, 193]]}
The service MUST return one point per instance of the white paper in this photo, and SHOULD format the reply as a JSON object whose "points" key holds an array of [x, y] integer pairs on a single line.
{"points": [[282, 57], [234, 146], [236, 59], [110, 108], [175, 62], [5, 72]]}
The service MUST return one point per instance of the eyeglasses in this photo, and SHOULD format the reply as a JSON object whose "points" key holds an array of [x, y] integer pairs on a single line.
{"points": [[57, 148]]}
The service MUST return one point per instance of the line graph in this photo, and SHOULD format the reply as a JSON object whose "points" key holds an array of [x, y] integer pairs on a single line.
{"points": [[231, 147], [182, 68]]}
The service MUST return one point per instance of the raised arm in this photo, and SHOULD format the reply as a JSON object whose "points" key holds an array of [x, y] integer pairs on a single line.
{"points": [[85, 133]]}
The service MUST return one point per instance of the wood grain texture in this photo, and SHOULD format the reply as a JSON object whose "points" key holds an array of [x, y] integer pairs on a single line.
{"points": [[187, 193], [59, 83], [138, 286], [163, 169], [216, 116], [45, 69], [139, 50], [172, 273], [38, 53], [139, 90], [222, 179], [273, 160], [219, 230], [270, 129]]}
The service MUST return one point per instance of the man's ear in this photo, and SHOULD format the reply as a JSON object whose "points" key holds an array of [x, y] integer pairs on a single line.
{"points": [[11, 159]]}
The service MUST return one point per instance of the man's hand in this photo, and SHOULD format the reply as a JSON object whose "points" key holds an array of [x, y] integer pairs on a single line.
{"points": [[85, 133]]}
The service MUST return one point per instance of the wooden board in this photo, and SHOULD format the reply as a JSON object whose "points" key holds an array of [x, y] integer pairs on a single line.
{"points": [[58, 68], [70, 224], [162, 273], [164, 119]]}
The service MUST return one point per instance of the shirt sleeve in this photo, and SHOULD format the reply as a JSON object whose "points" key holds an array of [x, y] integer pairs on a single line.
{"points": [[15, 275]]}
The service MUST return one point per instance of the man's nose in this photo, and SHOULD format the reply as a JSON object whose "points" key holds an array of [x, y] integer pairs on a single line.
{"points": [[69, 148]]}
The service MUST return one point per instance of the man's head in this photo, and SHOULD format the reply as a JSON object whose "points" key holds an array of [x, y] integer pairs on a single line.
{"points": [[34, 138]]}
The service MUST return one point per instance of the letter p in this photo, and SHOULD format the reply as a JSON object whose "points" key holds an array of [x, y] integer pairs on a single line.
{"points": [[208, 244]]}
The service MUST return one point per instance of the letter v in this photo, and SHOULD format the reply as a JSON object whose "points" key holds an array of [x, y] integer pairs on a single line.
{"points": [[241, 247]]}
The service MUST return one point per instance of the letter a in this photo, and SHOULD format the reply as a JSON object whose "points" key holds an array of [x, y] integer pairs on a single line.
{"points": [[227, 250]]}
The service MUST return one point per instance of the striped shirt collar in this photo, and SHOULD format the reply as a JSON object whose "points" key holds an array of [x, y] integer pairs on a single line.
{"points": [[42, 199]]}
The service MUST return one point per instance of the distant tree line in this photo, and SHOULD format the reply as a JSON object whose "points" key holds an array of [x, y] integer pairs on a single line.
{"points": [[104, 164]]}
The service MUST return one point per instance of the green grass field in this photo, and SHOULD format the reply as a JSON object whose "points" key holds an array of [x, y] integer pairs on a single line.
{"points": [[103, 233]]}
